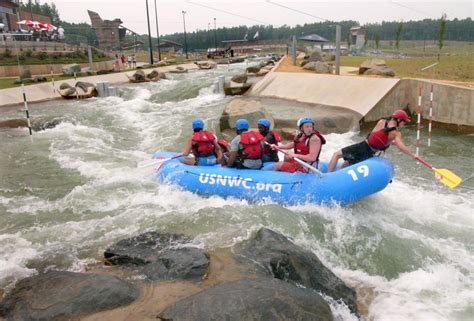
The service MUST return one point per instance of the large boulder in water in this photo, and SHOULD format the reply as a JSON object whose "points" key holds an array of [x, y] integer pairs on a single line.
{"points": [[272, 254], [139, 76], [251, 300], [64, 295], [240, 79], [160, 256], [242, 108]]}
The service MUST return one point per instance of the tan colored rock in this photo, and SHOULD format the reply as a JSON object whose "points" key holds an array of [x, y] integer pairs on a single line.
{"points": [[249, 109], [371, 64]]}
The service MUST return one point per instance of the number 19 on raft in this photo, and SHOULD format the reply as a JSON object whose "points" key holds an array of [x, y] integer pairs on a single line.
{"points": [[363, 169]]}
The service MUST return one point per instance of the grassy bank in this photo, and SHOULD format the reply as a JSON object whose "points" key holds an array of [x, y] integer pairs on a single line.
{"points": [[456, 61]]}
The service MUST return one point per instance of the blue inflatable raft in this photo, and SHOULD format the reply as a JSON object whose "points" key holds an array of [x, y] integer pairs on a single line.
{"points": [[343, 186]]}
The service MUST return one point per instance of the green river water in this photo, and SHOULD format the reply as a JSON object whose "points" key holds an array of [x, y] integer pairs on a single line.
{"points": [[69, 192]]}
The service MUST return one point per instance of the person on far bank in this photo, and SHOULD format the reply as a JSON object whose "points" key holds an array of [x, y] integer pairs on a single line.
{"points": [[202, 148], [271, 137], [385, 133], [306, 146], [246, 148]]}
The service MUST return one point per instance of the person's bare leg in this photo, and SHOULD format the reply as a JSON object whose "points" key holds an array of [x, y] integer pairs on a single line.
{"points": [[189, 160], [335, 157], [277, 166]]}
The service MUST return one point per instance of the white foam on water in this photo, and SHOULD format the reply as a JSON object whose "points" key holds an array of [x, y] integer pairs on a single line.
{"points": [[15, 253]]}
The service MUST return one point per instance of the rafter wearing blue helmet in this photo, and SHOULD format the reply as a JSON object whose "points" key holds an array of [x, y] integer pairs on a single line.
{"points": [[306, 146], [271, 137], [202, 148], [246, 148]]}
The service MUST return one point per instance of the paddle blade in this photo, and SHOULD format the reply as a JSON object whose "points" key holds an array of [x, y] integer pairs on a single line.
{"points": [[447, 177]]}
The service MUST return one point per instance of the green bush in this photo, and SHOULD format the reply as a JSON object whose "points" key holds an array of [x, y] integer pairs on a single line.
{"points": [[28, 53], [42, 55], [22, 56]]}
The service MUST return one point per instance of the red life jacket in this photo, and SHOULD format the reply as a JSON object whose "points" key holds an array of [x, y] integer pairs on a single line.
{"points": [[252, 148], [203, 143], [379, 139], [276, 139], [301, 143], [224, 145]]}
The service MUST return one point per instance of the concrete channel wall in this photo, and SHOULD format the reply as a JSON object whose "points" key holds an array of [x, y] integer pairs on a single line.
{"points": [[452, 105], [373, 98]]}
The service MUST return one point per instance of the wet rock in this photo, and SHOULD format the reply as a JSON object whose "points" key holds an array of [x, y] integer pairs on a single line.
{"points": [[251, 300], [253, 69], [65, 85], [288, 133], [241, 79], [160, 256], [37, 124], [232, 89], [152, 74], [186, 263], [62, 295], [84, 85], [139, 75], [272, 254], [43, 123], [243, 108], [319, 67]]}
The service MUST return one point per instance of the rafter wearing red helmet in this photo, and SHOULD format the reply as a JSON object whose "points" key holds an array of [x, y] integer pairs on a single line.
{"points": [[385, 133]]}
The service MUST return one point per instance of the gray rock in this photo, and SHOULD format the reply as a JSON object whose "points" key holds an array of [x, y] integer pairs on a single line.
{"points": [[251, 300], [185, 263], [386, 72], [152, 74], [84, 85], [319, 67], [139, 75], [70, 69], [371, 64], [315, 56], [253, 69], [62, 295], [43, 123], [241, 79], [40, 79], [271, 253], [64, 85], [160, 256]]}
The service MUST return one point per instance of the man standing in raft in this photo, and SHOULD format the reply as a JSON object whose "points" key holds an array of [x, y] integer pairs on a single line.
{"points": [[246, 148], [306, 146], [384, 133], [271, 137], [203, 145]]}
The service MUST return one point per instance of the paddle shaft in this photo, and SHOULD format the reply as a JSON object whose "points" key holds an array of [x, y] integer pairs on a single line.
{"points": [[302, 163], [159, 161], [425, 163]]}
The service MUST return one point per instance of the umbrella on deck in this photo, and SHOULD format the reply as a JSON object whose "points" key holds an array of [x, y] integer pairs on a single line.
{"points": [[313, 37]]}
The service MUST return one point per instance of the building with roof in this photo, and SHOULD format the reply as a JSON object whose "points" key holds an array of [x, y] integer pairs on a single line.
{"points": [[8, 14]]}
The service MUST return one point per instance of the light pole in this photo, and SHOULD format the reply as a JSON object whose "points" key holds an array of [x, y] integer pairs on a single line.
{"points": [[215, 38], [149, 33], [157, 33], [185, 41]]}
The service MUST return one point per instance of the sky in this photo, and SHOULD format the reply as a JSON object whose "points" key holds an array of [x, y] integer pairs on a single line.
{"points": [[200, 14]]}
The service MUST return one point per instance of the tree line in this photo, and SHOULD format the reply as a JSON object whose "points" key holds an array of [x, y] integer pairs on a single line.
{"points": [[427, 29]]}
